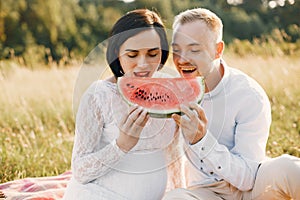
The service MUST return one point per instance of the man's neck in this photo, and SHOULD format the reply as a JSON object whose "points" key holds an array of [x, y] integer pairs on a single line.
{"points": [[214, 78]]}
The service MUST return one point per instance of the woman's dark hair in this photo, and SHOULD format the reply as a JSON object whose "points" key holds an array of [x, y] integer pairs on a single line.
{"points": [[129, 25]]}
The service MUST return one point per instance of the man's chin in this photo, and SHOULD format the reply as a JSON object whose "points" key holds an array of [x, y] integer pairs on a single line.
{"points": [[189, 75]]}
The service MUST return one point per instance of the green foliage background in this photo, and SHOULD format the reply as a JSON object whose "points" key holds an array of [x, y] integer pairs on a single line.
{"points": [[38, 31]]}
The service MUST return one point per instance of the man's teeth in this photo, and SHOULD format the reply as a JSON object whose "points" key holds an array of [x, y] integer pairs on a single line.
{"points": [[190, 69]]}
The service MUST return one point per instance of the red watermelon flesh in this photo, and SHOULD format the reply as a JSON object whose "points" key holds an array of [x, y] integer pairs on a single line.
{"points": [[161, 96]]}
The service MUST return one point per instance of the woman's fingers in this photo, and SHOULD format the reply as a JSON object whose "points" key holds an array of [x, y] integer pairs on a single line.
{"points": [[133, 114], [130, 110], [135, 121], [131, 127], [143, 118]]}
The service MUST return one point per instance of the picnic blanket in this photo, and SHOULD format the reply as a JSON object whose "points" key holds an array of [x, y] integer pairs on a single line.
{"points": [[40, 188], [53, 187]]}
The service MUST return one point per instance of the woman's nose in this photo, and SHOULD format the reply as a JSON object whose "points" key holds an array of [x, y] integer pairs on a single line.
{"points": [[142, 62]]}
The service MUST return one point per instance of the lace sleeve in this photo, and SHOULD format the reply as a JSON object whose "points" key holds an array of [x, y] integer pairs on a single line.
{"points": [[89, 161]]}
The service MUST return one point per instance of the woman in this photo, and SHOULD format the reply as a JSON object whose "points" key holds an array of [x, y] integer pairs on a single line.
{"points": [[118, 150]]}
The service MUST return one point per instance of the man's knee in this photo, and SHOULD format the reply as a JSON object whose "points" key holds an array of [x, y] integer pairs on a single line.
{"points": [[283, 163], [278, 177], [284, 168]]}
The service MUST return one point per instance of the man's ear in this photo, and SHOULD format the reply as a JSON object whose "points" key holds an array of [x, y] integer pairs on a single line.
{"points": [[219, 49]]}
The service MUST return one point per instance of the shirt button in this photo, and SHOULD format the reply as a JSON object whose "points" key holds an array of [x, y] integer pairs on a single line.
{"points": [[201, 168], [201, 161], [211, 173], [202, 148], [219, 167]]}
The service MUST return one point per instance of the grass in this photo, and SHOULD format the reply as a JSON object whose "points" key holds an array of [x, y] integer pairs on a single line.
{"points": [[37, 123]]}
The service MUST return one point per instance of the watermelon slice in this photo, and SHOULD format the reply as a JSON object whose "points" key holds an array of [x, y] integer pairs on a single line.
{"points": [[161, 96]]}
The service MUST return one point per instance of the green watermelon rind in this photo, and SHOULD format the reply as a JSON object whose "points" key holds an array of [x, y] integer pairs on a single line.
{"points": [[167, 113]]}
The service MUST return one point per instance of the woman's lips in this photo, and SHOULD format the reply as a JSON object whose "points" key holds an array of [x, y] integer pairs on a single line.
{"points": [[141, 74]]}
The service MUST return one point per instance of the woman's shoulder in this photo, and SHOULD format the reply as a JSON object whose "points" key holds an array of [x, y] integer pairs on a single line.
{"points": [[102, 87], [99, 91]]}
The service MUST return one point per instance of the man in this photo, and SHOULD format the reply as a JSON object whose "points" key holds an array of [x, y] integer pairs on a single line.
{"points": [[227, 135]]}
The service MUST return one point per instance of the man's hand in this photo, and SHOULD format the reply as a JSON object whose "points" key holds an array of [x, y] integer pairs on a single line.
{"points": [[193, 124]]}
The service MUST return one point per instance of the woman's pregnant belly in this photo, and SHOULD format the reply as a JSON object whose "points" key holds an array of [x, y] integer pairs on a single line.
{"points": [[138, 176]]}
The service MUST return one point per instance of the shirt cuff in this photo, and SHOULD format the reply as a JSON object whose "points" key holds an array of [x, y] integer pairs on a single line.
{"points": [[117, 148], [204, 146]]}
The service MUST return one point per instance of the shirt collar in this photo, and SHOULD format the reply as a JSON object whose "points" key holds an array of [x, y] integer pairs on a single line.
{"points": [[221, 85]]}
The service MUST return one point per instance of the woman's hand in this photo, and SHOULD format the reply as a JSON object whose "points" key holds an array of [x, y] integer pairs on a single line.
{"points": [[193, 124], [131, 127]]}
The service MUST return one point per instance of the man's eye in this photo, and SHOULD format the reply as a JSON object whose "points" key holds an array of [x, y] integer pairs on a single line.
{"points": [[195, 50]]}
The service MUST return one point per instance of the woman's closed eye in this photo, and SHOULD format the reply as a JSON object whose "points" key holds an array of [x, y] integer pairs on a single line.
{"points": [[132, 54], [153, 52]]}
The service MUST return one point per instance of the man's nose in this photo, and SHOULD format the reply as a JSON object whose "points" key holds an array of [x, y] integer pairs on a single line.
{"points": [[182, 57]]}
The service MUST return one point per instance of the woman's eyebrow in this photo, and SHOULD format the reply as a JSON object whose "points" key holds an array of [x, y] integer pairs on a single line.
{"points": [[131, 50], [154, 49], [134, 50]]}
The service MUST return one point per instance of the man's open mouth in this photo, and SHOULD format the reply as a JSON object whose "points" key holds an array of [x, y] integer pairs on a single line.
{"points": [[188, 70]]}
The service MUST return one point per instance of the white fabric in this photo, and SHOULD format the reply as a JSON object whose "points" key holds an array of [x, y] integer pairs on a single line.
{"points": [[100, 167], [239, 118]]}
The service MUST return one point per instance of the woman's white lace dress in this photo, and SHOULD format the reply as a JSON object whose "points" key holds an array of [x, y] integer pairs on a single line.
{"points": [[100, 169]]}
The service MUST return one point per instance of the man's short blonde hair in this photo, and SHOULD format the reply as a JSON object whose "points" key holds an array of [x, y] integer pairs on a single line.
{"points": [[211, 20]]}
